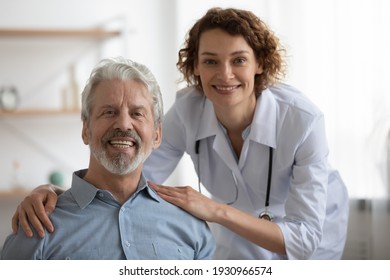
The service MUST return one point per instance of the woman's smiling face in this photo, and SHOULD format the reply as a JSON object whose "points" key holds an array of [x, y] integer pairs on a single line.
{"points": [[227, 67]]}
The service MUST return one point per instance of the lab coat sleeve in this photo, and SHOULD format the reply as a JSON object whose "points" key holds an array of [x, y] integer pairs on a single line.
{"points": [[306, 203], [162, 161]]}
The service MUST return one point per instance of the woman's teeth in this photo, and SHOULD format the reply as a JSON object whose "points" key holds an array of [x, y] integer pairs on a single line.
{"points": [[225, 88]]}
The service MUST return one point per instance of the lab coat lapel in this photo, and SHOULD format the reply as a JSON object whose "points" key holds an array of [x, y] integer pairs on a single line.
{"points": [[208, 122], [263, 126], [209, 126], [222, 148], [263, 131]]}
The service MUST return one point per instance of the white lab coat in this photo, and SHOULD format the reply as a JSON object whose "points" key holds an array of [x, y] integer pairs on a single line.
{"points": [[302, 200]]}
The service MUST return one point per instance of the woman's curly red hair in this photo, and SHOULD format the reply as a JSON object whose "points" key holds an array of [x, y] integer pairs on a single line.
{"points": [[260, 38]]}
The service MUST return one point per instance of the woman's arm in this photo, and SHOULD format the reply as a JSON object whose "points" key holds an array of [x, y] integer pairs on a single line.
{"points": [[259, 231], [35, 209]]}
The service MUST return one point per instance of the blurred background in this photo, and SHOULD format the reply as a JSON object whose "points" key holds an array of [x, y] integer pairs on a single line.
{"points": [[337, 55]]}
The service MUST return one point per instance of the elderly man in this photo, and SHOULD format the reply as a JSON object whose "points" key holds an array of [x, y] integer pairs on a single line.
{"points": [[110, 212]]}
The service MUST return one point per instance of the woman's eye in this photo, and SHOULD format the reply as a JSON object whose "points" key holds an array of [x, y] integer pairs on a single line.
{"points": [[210, 62], [239, 60]]}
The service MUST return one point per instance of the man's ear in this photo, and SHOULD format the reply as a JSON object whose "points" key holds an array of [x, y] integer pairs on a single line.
{"points": [[84, 133], [157, 137]]}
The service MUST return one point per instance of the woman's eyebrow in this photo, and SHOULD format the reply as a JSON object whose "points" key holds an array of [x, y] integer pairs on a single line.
{"points": [[234, 53]]}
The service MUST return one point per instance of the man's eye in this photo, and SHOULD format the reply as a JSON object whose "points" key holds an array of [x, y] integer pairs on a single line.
{"points": [[109, 113], [137, 114]]}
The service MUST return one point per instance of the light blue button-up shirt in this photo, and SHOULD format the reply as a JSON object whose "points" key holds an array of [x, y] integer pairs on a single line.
{"points": [[91, 224]]}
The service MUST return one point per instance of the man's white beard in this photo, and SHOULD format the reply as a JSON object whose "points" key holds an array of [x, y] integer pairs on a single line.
{"points": [[120, 163]]}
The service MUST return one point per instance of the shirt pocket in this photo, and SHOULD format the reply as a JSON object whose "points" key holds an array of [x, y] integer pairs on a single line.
{"points": [[164, 251]]}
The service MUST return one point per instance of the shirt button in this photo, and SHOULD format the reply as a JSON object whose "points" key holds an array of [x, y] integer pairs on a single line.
{"points": [[123, 209], [101, 194], [127, 244]]}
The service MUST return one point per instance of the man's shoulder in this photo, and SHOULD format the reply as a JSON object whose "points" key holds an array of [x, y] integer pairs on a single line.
{"points": [[171, 212], [20, 247], [66, 200]]}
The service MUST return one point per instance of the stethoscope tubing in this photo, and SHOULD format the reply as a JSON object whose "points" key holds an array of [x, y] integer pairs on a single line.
{"points": [[264, 215]]}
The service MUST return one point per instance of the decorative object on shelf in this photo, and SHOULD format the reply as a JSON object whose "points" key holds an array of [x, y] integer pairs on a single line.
{"points": [[71, 94], [56, 178], [9, 98], [16, 183]]}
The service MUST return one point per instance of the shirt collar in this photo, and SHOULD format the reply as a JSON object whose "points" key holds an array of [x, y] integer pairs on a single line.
{"points": [[84, 192], [262, 129]]}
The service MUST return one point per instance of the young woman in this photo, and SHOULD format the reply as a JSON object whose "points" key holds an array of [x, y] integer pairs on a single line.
{"points": [[258, 146]]}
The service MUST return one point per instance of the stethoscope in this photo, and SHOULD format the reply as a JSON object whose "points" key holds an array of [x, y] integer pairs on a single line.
{"points": [[266, 215]]}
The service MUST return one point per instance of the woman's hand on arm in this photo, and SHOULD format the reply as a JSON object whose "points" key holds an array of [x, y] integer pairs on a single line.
{"points": [[35, 209], [259, 231]]}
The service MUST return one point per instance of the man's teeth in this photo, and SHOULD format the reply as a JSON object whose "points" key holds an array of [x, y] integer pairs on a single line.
{"points": [[122, 144]]}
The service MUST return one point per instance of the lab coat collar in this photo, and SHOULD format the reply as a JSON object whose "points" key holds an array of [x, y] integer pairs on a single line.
{"points": [[208, 125], [263, 128], [264, 124]]}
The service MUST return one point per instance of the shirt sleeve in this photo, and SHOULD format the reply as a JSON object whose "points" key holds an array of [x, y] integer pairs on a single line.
{"points": [[19, 247], [206, 244]]}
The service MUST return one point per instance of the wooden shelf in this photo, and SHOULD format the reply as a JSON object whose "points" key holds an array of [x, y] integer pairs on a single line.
{"points": [[38, 112], [80, 33], [14, 193], [87, 33]]}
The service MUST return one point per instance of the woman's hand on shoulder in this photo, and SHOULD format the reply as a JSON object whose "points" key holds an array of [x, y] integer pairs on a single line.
{"points": [[35, 209], [190, 200]]}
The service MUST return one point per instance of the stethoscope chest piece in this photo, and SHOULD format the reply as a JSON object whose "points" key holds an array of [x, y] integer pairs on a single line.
{"points": [[266, 216]]}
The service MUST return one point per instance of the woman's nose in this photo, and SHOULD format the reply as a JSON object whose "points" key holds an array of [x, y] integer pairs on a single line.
{"points": [[226, 71]]}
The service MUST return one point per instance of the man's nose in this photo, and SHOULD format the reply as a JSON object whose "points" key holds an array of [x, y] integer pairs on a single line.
{"points": [[124, 121]]}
